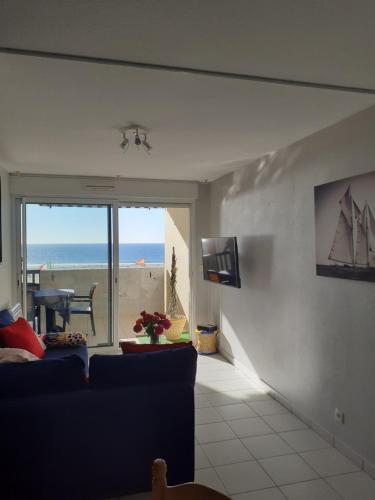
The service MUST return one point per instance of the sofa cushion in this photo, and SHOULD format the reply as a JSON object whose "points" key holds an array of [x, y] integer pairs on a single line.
{"points": [[5, 318], [65, 339], [41, 377], [178, 365], [130, 348], [63, 352], [12, 355], [20, 335]]}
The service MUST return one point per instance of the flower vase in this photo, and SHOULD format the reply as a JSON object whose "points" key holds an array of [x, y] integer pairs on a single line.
{"points": [[154, 338]]}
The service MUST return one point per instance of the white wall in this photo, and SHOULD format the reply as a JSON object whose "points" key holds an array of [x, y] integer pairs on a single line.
{"points": [[203, 289], [140, 190], [311, 338], [5, 266]]}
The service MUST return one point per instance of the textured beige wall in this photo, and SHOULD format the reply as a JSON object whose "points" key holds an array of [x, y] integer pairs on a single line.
{"points": [[177, 234]]}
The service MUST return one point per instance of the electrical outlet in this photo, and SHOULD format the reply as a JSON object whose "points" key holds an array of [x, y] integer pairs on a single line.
{"points": [[339, 416]]}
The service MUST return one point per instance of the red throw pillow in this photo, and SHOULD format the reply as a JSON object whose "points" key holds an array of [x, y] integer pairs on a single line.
{"points": [[20, 335], [129, 348]]}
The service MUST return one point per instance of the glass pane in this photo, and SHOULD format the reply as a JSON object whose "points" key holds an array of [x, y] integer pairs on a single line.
{"points": [[147, 237], [69, 269]]}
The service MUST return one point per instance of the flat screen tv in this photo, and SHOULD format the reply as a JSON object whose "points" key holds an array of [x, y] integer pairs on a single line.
{"points": [[220, 261]]}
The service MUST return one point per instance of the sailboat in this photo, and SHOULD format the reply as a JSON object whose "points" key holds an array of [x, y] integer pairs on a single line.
{"points": [[353, 250]]}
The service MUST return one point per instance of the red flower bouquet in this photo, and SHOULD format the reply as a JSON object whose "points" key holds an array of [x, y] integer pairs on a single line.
{"points": [[153, 324]]}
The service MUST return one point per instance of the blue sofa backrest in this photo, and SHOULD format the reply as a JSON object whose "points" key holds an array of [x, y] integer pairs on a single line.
{"points": [[129, 370]]}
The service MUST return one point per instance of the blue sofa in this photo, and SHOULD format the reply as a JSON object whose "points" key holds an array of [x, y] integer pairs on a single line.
{"points": [[63, 352], [64, 438]]}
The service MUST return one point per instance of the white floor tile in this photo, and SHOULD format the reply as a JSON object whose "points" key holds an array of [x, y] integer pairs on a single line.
{"points": [[201, 401], [215, 364], [268, 494], [226, 452], [207, 416], [224, 385], [304, 440], [270, 407], [209, 433], [224, 398], [256, 395], [235, 411], [215, 359], [329, 462], [210, 478], [355, 486], [310, 490], [267, 446], [242, 477], [208, 375], [198, 388], [284, 422], [250, 427], [288, 469], [201, 461]]}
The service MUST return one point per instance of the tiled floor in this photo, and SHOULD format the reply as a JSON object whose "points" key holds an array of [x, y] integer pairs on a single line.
{"points": [[252, 448]]}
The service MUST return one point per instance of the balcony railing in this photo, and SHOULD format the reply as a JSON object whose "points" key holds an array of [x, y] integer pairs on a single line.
{"points": [[139, 287]]}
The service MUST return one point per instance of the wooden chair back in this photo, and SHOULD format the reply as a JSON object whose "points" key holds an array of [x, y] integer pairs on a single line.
{"points": [[186, 491]]}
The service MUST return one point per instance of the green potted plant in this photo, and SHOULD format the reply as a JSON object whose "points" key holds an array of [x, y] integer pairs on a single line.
{"points": [[177, 320]]}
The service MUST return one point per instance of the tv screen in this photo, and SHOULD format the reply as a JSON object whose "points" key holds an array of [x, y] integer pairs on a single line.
{"points": [[220, 261]]}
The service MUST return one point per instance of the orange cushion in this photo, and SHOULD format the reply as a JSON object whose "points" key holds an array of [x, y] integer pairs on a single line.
{"points": [[20, 335], [128, 347]]}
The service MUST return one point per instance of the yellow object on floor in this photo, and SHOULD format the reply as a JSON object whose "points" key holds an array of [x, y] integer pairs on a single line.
{"points": [[206, 342]]}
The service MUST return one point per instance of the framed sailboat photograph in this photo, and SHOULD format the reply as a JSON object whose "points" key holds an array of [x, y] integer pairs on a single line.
{"points": [[345, 228]]}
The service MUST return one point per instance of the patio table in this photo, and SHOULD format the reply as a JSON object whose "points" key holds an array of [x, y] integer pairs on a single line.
{"points": [[54, 300]]}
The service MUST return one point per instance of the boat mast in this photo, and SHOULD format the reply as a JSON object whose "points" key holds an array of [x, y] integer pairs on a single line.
{"points": [[367, 232], [342, 249]]}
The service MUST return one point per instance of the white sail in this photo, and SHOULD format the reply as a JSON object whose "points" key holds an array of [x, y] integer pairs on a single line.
{"points": [[371, 236], [357, 211], [346, 207], [342, 246], [362, 253], [371, 258], [371, 221]]}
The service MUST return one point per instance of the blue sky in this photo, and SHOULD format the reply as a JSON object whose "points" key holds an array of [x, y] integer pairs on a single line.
{"points": [[89, 224]]}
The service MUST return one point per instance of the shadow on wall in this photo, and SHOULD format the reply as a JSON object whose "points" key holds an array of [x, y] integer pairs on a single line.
{"points": [[255, 260], [267, 170]]}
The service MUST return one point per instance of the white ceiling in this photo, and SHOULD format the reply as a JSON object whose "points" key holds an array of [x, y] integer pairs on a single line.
{"points": [[59, 116]]}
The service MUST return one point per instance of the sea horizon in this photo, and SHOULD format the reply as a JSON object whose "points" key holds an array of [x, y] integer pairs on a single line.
{"points": [[52, 255]]}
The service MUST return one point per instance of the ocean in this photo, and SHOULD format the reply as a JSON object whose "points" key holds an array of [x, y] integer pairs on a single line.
{"points": [[86, 255]]}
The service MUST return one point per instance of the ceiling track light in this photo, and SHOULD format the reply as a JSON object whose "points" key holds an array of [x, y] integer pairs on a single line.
{"points": [[137, 135]]}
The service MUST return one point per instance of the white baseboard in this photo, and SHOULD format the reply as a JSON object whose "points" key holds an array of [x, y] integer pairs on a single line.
{"points": [[333, 440]]}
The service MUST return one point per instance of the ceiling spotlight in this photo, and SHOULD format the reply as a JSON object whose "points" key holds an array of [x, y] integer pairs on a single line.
{"points": [[125, 142], [140, 137], [146, 144], [137, 139]]}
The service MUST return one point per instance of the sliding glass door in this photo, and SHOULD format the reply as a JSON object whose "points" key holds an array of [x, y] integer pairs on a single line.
{"points": [[94, 267], [67, 268], [148, 236]]}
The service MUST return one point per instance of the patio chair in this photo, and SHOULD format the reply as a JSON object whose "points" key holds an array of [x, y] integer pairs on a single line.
{"points": [[85, 305], [186, 491]]}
